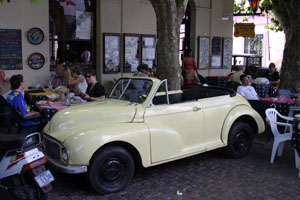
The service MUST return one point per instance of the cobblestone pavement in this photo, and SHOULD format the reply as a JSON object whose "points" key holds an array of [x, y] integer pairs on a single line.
{"points": [[208, 176]]}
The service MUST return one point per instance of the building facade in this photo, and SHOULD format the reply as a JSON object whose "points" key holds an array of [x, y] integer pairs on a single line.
{"points": [[118, 35]]}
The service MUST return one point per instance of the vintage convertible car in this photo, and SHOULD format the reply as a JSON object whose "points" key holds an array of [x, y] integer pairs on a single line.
{"points": [[141, 122]]}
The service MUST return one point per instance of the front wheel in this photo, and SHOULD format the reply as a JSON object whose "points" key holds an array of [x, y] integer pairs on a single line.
{"points": [[240, 140], [111, 170]]}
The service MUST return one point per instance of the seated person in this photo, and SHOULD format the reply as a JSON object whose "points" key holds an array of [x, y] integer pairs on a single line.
{"points": [[250, 94], [236, 75], [16, 99], [95, 90], [61, 76], [4, 83], [76, 80], [272, 75]]}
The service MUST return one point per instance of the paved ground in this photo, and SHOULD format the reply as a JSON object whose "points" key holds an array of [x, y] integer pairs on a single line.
{"points": [[208, 176]]}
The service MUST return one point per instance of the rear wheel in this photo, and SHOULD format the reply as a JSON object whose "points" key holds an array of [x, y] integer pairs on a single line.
{"points": [[111, 170], [240, 140]]}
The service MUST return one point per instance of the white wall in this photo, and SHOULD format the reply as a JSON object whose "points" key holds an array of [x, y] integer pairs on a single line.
{"points": [[209, 23], [130, 16], [25, 15]]}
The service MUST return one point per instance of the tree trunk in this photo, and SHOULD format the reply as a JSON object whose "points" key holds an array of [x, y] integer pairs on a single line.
{"points": [[288, 14], [169, 14]]}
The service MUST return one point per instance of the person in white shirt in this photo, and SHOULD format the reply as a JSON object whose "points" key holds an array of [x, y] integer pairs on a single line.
{"points": [[246, 90], [76, 80]]}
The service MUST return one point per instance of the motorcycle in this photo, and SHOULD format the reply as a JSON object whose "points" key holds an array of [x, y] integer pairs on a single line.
{"points": [[22, 166]]}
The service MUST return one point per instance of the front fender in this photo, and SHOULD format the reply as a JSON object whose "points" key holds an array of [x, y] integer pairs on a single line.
{"points": [[238, 112], [84, 144]]}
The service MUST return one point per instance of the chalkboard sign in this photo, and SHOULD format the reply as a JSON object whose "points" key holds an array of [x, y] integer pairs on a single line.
{"points": [[216, 51], [216, 46], [227, 53], [11, 49], [111, 53], [203, 57]]}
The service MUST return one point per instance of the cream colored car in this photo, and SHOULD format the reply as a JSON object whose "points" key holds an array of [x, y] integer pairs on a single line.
{"points": [[141, 122]]}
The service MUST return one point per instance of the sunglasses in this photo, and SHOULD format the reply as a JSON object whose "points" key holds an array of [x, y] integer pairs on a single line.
{"points": [[88, 76]]}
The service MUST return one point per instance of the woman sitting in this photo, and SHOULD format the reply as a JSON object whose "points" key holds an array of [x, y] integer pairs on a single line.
{"points": [[95, 90], [77, 81]]}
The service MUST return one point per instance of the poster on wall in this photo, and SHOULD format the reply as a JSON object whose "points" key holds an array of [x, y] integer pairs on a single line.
{"points": [[227, 53], [216, 52], [111, 53], [148, 50], [84, 25], [11, 49], [131, 52], [203, 57]]}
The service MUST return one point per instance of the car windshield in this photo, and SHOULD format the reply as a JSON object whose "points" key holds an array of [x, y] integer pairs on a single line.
{"points": [[133, 90]]}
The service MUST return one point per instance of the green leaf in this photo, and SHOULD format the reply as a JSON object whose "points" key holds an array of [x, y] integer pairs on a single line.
{"points": [[34, 1]]}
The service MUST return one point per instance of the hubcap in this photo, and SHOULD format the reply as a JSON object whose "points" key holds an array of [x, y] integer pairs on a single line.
{"points": [[241, 141], [112, 169]]}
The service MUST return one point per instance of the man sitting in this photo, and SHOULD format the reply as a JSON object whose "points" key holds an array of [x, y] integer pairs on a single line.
{"points": [[248, 91], [16, 99], [61, 76]]}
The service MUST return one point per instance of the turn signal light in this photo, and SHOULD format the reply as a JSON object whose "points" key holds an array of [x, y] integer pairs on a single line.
{"points": [[35, 164]]}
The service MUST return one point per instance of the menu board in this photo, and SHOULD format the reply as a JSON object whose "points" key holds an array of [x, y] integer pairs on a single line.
{"points": [[227, 52], [11, 49], [148, 50], [131, 52], [216, 51], [111, 53], [203, 57]]}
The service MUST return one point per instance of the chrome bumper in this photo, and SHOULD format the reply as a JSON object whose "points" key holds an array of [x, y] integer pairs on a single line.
{"points": [[69, 169]]}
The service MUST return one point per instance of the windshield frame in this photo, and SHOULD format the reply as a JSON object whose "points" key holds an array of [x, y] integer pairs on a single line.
{"points": [[141, 97]]}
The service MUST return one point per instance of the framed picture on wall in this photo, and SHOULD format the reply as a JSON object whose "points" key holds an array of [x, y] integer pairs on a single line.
{"points": [[111, 53], [148, 50], [227, 53], [131, 52], [216, 52], [203, 52]]}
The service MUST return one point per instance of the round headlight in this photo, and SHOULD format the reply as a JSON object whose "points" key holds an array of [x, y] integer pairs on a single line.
{"points": [[64, 154]]}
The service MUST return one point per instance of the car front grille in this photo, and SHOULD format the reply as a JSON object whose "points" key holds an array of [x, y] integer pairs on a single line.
{"points": [[51, 149]]}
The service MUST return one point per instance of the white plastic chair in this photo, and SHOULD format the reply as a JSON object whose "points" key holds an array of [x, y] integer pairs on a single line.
{"points": [[279, 138], [297, 160]]}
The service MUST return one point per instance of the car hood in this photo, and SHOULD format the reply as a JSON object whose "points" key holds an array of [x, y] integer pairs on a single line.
{"points": [[88, 115]]}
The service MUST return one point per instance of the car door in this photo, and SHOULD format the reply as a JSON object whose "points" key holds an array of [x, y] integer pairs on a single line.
{"points": [[175, 130]]}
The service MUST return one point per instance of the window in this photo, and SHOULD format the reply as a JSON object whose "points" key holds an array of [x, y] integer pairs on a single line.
{"points": [[254, 45], [71, 32]]}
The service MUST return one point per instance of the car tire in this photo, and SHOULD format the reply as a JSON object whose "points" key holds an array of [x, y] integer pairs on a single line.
{"points": [[111, 170], [240, 140]]}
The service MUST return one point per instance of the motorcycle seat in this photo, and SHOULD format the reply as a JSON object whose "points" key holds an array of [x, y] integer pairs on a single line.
{"points": [[11, 142]]}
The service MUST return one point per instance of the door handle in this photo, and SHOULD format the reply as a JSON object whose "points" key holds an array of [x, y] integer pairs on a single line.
{"points": [[196, 109]]}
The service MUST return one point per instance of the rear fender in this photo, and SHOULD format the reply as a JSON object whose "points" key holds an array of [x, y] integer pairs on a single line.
{"points": [[244, 113]]}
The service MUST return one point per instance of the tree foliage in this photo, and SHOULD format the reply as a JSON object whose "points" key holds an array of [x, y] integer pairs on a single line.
{"points": [[286, 17]]}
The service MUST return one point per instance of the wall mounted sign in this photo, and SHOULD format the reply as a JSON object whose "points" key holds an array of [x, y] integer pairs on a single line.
{"points": [[36, 61], [35, 36], [244, 30], [11, 49], [227, 53], [203, 52], [111, 53], [131, 52]]}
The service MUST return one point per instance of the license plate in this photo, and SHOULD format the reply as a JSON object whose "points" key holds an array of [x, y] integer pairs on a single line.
{"points": [[44, 178]]}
